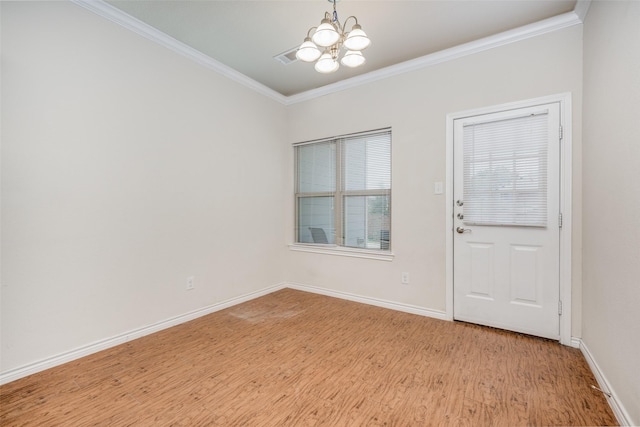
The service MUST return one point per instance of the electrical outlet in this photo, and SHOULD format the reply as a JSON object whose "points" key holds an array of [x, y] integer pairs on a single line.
{"points": [[191, 283], [405, 278]]}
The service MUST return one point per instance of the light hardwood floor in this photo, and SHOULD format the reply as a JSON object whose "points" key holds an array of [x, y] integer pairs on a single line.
{"points": [[295, 358]]}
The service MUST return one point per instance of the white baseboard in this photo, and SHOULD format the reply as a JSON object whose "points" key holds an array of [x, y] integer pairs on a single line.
{"points": [[50, 362], [68, 356], [407, 308], [623, 417]]}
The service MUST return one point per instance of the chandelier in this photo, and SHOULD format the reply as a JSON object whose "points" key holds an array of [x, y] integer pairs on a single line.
{"points": [[331, 36]]}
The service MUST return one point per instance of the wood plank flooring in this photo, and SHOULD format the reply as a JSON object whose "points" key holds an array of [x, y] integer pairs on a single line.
{"points": [[295, 358]]}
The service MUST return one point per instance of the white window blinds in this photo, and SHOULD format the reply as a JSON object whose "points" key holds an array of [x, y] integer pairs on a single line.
{"points": [[367, 161], [505, 172], [366, 190], [343, 190]]}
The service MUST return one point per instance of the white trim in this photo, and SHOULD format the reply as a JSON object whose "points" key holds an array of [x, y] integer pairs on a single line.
{"points": [[105, 10], [406, 308], [564, 99], [622, 415], [566, 203], [522, 33], [342, 251], [68, 356], [535, 29], [449, 217], [581, 9]]}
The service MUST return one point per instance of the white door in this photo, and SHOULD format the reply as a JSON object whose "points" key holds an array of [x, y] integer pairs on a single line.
{"points": [[506, 220]]}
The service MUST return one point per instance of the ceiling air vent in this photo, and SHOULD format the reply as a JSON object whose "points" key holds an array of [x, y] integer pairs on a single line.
{"points": [[287, 57]]}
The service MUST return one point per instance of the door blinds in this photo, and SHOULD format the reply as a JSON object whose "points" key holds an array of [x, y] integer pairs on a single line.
{"points": [[505, 171]]}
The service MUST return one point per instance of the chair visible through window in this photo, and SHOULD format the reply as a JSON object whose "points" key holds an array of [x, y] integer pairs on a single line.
{"points": [[318, 235], [384, 239]]}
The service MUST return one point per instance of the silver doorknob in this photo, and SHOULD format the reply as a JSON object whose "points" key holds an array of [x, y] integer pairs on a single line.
{"points": [[463, 230]]}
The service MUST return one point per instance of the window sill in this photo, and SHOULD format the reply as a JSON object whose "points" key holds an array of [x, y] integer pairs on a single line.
{"points": [[342, 251]]}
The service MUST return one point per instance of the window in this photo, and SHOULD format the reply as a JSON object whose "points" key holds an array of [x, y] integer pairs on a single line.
{"points": [[343, 191], [505, 172]]}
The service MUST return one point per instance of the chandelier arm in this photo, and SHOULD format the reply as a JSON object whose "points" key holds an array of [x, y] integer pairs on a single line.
{"points": [[311, 29], [345, 22]]}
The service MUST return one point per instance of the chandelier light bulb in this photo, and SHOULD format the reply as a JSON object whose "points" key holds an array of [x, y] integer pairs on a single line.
{"points": [[308, 51], [352, 59], [326, 64], [357, 39], [326, 34]]}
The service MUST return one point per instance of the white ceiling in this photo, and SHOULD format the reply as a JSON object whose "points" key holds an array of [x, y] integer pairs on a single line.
{"points": [[246, 35]]}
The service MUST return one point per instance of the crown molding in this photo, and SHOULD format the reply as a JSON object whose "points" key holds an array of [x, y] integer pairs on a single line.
{"points": [[522, 33], [555, 23], [105, 10], [582, 8]]}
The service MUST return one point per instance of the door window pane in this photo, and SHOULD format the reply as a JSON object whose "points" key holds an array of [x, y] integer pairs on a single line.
{"points": [[505, 172]]}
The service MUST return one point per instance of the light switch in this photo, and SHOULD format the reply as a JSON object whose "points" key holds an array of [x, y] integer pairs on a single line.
{"points": [[437, 188], [405, 278]]}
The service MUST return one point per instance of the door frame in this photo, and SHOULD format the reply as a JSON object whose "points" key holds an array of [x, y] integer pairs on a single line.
{"points": [[564, 99]]}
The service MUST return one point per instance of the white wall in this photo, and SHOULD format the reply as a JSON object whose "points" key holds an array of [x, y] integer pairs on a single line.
{"points": [[611, 234], [126, 168], [415, 105]]}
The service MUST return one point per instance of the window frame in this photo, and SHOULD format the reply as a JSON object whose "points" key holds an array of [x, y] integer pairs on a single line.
{"points": [[339, 195]]}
